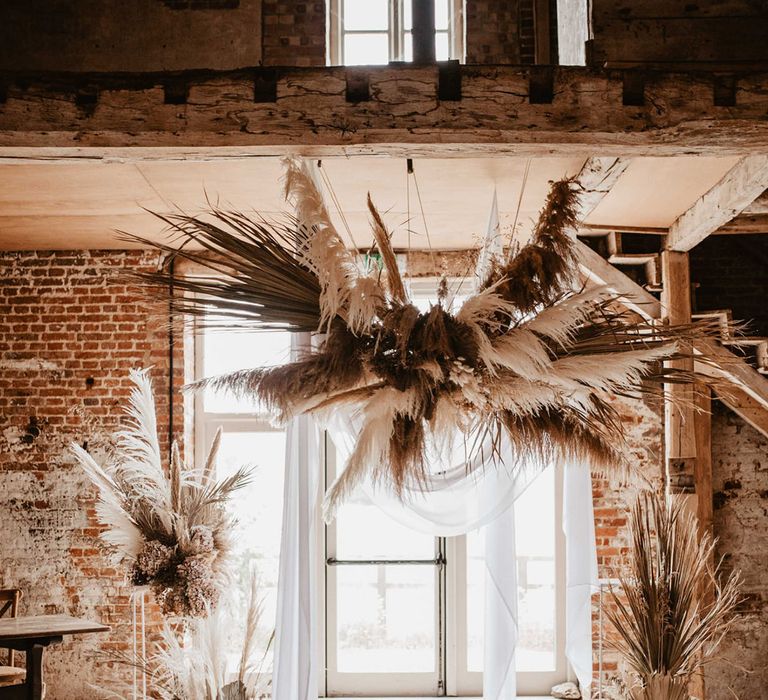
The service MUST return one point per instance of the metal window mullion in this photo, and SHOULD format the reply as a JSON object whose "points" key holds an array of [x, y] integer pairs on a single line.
{"points": [[438, 561]]}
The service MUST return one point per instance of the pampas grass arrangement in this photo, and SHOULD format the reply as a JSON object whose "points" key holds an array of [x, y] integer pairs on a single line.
{"points": [[193, 663], [668, 626], [171, 528], [531, 355]]}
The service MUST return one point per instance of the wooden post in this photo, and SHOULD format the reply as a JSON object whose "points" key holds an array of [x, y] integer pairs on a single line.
{"points": [[687, 471], [423, 33], [680, 436]]}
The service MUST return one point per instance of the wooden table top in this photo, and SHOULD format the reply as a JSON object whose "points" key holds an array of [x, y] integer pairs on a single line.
{"points": [[41, 626]]}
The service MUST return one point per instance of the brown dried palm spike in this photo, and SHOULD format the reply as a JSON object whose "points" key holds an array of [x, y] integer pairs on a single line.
{"points": [[406, 452], [543, 269]]}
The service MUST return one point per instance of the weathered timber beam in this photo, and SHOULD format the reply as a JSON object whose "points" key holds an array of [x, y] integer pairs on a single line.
{"points": [[596, 177], [732, 370], [318, 111], [745, 406], [601, 272], [746, 223], [740, 186]]}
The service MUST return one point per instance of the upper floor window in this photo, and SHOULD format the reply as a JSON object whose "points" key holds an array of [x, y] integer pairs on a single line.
{"points": [[370, 32]]}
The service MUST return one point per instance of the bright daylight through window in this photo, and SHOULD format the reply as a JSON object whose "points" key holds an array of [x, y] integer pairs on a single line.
{"points": [[403, 611], [371, 32]]}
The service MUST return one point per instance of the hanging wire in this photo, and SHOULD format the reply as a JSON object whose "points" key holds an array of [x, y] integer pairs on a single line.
{"points": [[519, 203], [424, 218], [408, 171], [337, 204]]}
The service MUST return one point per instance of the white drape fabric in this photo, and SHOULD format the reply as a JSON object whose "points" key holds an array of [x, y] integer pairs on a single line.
{"points": [[461, 495], [295, 674], [500, 637], [580, 571]]}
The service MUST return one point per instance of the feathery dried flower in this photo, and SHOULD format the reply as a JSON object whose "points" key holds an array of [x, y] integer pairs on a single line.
{"points": [[171, 529]]}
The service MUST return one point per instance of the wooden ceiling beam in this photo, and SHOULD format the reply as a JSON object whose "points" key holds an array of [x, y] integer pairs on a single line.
{"points": [[314, 111], [732, 370], [596, 177], [600, 271], [745, 406], [740, 186]]}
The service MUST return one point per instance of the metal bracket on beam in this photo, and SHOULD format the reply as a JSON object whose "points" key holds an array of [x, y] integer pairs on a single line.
{"points": [[265, 85], [724, 90], [86, 99], [541, 80], [175, 92], [633, 89], [358, 86], [448, 81]]}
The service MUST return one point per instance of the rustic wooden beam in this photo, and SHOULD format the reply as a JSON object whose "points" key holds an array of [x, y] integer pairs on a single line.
{"points": [[596, 177], [601, 272], [310, 113], [740, 186], [745, 406], [731, 370], [745, 223], [703, 467]]}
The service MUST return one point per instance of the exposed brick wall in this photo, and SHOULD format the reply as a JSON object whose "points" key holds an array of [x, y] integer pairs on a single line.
{"points": [[613, 494], [294, 33], [69, 333], [740, 483], [493, 31]]}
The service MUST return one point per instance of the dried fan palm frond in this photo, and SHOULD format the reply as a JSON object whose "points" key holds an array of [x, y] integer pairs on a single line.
{"points": [[667, 625], [252, 275], [172, 530], [529, 357]]}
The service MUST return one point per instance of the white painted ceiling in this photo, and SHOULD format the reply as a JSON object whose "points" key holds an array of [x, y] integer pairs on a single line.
{"points": [[70, 204]]}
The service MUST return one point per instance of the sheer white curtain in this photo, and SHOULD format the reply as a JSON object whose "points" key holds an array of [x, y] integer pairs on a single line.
{"points": [[295, 674]]}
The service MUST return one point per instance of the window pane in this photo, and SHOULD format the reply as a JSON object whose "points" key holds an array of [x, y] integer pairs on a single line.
{"points": [[227, 351], [442, 14], [363, 531], [386, 619], [407, 15], [536, 574], [442, 51], [258, 508], [366, 49], [366, 14], [407, 46]]}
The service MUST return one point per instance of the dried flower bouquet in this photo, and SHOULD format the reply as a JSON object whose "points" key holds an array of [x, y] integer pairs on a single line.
{"points": [[172, 529]]}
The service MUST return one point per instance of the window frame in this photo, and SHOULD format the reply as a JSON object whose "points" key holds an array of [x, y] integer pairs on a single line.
{"points": [[395, 31]]}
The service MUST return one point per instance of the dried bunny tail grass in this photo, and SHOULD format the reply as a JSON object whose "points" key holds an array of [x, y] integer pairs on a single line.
{"points": [[324, 252]]}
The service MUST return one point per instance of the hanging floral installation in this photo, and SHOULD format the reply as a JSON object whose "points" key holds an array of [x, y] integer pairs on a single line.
{"points": [[171, 528], [531, 356]]}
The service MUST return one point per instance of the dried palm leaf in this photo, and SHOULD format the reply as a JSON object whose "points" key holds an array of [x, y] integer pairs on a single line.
{"points": [[667, 626]]}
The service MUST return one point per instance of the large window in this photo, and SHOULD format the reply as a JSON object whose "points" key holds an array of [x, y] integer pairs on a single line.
{"points": [[403, 611], [370, 32], [248, 438]]}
